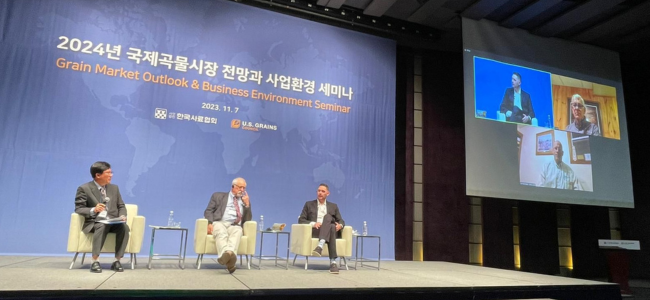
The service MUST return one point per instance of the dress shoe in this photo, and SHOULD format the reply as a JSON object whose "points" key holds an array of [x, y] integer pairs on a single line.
{"points": [[95, 268], [117, 267], [224, 258], [317, 251], [334, 269], [232, 262]]}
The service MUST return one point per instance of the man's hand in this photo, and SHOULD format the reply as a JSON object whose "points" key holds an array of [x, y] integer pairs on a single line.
{"points": [[123, 218], [317, 225], [99, 208], [246, 199], [508, 114], [338, 226], [209, 228], [526, 118]]}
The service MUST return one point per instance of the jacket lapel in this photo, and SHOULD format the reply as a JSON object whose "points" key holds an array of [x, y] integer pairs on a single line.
{"points": [[96, 194]]}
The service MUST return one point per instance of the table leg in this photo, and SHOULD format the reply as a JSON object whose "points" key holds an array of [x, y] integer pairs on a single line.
{"points": [[259, 265], [379, 255], [277, 237], [362, 241], [288, 246], [356, 252], [153, 234]]}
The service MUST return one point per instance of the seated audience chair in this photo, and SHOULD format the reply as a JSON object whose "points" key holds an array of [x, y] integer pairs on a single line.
{"points": [[80, 242]]}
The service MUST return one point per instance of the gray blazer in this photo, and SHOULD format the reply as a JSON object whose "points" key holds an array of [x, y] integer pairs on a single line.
{"points": [[88, 196], [310, 212], [217, 206]]}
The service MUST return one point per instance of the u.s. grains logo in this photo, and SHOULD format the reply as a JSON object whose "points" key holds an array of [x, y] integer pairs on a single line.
{"points": [[235, 123]]}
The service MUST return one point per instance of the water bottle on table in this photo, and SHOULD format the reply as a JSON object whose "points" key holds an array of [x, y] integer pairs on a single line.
{"points": [[170, 220], [261, 224], [365, 228]]}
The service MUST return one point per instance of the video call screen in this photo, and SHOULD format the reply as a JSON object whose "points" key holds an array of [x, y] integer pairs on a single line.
{"points": [[544, 119]]}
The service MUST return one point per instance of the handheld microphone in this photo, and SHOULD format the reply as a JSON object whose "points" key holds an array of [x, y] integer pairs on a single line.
{"points": [[106, 199]]}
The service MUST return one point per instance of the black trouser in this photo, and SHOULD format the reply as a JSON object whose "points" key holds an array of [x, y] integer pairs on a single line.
{"points": [[101, 230], [327, 232]]}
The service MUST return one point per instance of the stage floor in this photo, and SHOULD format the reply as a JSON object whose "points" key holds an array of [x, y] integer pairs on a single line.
{"points": [[49, 277]]}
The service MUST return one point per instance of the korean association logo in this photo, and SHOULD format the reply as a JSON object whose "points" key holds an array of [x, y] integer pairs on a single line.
{"points": [[235, 124], [160, 113]]}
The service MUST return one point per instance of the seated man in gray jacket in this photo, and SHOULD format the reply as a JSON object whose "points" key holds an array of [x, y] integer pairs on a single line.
{"points": [[226, 213]]}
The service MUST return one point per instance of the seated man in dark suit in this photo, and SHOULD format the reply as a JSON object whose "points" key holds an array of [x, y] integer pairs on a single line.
{"points": [[516, 103], [100, 200], [325, 220], [226, 214]]}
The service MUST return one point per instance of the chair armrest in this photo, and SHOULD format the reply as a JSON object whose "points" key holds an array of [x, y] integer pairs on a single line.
{"points": [[76, 222], [137, 234], [347, 235], [200, 235], [250, 231], [301, 239]]}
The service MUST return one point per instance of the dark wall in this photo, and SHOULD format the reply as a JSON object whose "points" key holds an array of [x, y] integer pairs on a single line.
{"points": [[588, 225], [498, 250], [538, 238], [635, 223], [404, 156], [445, 206]]}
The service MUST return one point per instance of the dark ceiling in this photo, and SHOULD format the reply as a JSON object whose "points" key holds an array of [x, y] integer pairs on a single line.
{"points": [[619, 25]]}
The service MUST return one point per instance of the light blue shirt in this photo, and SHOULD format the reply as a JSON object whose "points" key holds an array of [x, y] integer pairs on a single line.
{"points": [[230, 214]]}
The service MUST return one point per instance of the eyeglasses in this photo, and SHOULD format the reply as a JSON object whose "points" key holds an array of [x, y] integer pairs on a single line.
{"points": [[577, 105], [241, 187]]}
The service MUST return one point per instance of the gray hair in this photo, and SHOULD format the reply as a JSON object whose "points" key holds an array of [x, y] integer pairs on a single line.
{"points": [[578, 97], [234, 181]]}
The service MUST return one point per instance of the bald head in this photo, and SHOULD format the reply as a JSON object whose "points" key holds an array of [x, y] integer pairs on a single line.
{"points": [[557, 152]]}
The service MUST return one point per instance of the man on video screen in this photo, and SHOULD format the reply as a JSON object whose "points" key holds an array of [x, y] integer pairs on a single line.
{"points": [[516, 103], [580, 123], [556, 174]]}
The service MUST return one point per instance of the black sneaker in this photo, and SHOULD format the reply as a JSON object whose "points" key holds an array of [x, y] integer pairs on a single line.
{"points": [[117, 267], [95, 268], [317, 251], [334, 269]]}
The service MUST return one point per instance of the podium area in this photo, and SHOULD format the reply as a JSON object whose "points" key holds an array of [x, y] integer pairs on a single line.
{"points": [[49, 278]]}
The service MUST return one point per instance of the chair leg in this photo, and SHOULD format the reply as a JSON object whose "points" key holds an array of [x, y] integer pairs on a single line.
{"points": [[132, 261], [294, 260], [73, 260], [248, 261], [346, 262], [135, 258], [200, 260], [83, 257], [241, 261], [307, 262]]}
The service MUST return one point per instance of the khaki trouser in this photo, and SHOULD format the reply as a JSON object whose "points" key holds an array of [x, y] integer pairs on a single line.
{"points": [[226, 236]]}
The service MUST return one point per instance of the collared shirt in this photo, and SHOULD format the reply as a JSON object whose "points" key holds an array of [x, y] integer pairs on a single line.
{"points": [[586, 127], [230, 214], [517, 101], [322, 211], [558, 176]]}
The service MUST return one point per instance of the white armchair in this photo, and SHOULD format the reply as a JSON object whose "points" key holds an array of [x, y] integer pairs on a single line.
{"points": [[204, 243], [80, 242], [302, 243]]}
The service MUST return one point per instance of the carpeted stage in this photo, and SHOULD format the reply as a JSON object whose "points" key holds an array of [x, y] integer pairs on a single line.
{"points": [[49, 278]]}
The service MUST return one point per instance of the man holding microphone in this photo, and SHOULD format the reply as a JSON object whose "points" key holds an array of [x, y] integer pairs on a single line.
{"points": [[99, 200], [226, 214]]}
